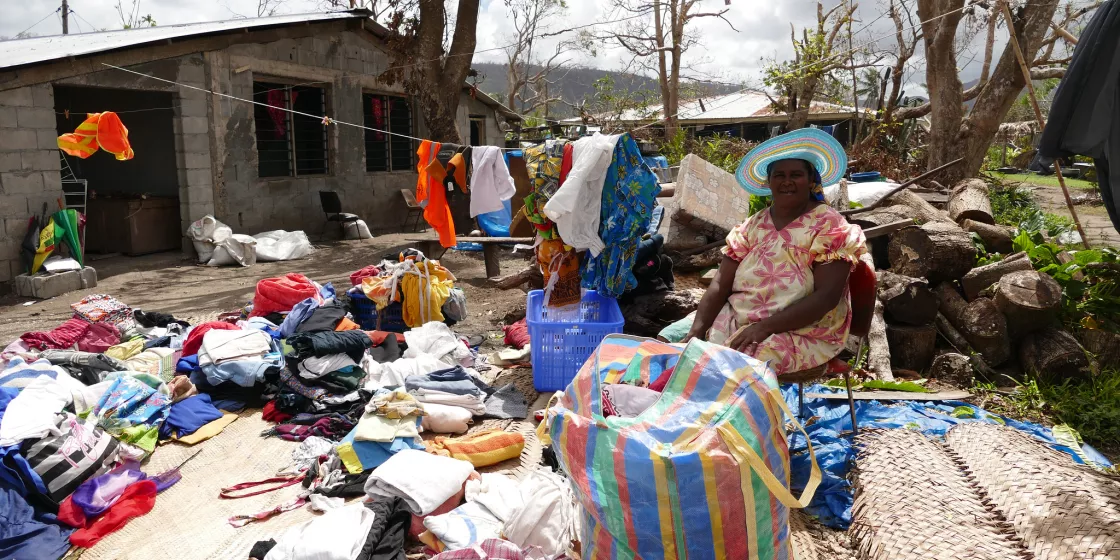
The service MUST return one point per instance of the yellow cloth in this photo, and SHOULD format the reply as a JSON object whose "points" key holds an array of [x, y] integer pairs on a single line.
{"points": [[422, 297], [379, 290], [208, 430], [126, 350], [482, 449], [46, 246]]}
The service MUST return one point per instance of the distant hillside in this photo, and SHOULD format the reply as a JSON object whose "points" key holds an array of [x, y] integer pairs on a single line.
{"points": [[578, 84]]}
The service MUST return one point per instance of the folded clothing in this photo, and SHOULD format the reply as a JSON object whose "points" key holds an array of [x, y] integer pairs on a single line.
{"points": [[473, 404], [220, 346], [102, 308], [422, 480], [444, 419], [314, 368], [358, 456], [324, 318], [507, 402], [438, 340], [481, 449], [455, 380], [282, 294], [320, 344], [194, 338]]}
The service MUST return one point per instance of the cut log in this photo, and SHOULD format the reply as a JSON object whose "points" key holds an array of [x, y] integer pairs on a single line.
{"points": [[883, 216], [1102, 344], [907, 300], [531, 274], [971, 201], [1053, 355], [912, 347], [957, 340], [1029, 300], [996, 238], [841, 201], [648, 314], [980, 321], [938, 251], [878, 348], [981, 277], [922, 210], [937, 186], [953, 369]]}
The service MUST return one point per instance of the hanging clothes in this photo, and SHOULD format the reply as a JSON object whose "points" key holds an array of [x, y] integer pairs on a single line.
{"points": [[425, 287], [1084, 117], [432, 195], [99, 130], [627, 207], [576, 206], [544, 164], [491, 182]]}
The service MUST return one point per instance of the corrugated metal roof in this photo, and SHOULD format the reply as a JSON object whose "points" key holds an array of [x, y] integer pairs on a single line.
{"points": [[724, 108], [21, 52]]}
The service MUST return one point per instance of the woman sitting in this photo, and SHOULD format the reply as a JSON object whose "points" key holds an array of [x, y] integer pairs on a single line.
{"points": [[780, 294]]}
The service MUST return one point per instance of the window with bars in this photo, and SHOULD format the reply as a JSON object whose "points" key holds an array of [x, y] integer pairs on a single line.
{"points": [[386, 152], [288, 144]]}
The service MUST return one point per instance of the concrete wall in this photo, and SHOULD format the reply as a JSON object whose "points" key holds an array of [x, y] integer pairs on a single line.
{"points": [[29, 167]]}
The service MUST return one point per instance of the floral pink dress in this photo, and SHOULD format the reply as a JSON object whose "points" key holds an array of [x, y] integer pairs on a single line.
{"points": [[775, 271]]}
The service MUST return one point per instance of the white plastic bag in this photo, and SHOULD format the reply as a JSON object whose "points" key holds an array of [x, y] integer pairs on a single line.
{"points": [[356, 230], [280, 245], [237, 249], [865, 194], [206, 233]]}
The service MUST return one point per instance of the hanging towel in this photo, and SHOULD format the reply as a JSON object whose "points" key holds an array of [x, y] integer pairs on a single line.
{"points": [[491, 182], [423, 480]]}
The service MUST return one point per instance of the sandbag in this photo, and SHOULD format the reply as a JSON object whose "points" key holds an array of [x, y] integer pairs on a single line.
{"points": [[679, 479], [236, 249], [356, 230], [280, 245], [205, 234]]}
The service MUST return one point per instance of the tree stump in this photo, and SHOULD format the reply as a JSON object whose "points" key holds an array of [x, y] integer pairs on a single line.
{"points": [[648, 314], [1053, 355], [1029, 300], [912, 347], [971, 201], [979, 278], [922, 210], [953, 369], [882, 216], [980, 321], [957, 340], [938, 251], [1102, 344], [996, 238], [907, 300]]}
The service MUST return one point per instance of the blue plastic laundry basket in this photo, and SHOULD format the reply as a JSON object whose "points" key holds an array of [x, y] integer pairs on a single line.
{"points": [[365, 314], [561, 340]]}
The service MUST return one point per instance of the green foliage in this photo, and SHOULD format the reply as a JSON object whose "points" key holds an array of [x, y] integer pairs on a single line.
{"points": [[1090, 281], [907, 386], [613, 101], [1091, 406], [963, 412], [1014, 206]]}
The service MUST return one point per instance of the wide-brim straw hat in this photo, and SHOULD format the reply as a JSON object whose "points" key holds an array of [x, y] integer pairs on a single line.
{"points": [[815, 146]]}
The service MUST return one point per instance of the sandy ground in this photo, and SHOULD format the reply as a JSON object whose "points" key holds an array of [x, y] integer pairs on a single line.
{"points": [[1098, 227]]}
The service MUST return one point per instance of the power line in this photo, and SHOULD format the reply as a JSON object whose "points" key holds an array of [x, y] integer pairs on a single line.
{"points": [[56, 10]]}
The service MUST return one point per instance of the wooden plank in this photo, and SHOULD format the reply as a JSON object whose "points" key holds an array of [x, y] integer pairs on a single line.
{"points": [[879, 231], [934, 198], [892, 396]]}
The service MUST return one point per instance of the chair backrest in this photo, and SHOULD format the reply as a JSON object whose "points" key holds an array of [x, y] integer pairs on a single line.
{"points": [[862, 285], [409, 198], [330, 202]]}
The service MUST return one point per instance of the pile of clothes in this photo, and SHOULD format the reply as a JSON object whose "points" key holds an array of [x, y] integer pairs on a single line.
{"points": [[424, 289]]}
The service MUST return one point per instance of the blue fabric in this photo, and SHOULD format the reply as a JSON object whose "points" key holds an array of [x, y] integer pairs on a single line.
{"points": [[130, 402], [188, 415], [265, 326], [454, 380], [19, 372], [496, 223], [832, 503], [627, 208], [246, 373], [371, 454], [297, 315], [27, 534], [158, 342], [15, 471], [188, 364], [326, 291], [656, 161]]}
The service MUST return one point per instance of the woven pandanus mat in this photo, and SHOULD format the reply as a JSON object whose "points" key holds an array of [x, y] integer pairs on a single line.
{"points": [[1059, 509], [913, 502]]}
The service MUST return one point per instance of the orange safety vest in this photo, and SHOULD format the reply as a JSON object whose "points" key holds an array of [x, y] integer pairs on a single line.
{"points": [[99, 131]]}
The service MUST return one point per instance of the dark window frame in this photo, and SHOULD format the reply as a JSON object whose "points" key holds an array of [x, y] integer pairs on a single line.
{"points": [[302, 157], [387, 153]]}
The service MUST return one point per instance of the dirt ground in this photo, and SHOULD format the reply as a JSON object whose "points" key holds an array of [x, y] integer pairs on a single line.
{"points": [[1098, 227], [172, 283]]}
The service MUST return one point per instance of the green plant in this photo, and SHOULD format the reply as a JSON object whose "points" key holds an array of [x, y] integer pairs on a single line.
{"points": [[1091, 406], [1090, 280], [1014, 206]]}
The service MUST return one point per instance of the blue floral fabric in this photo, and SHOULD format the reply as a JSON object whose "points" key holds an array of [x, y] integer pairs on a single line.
{"points": [[628, 200]]}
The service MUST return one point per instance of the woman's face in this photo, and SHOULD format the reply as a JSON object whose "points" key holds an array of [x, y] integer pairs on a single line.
{"points": [[790, 182]]}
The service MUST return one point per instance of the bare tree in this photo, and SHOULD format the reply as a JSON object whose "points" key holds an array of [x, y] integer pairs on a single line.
{"points": [[817, 58], [131, 17], [907, 36], [529, 74], [267, 8], [661, 46]]}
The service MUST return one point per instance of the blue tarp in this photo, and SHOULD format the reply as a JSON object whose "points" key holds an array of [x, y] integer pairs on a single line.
{"points": [[832, 503]]}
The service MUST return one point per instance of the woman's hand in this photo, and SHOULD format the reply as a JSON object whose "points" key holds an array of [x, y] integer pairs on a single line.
{"points": [[747, 337], [694, 333]]}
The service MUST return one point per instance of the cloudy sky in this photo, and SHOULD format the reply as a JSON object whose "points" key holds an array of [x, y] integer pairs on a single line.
{"points": [[761, 28]]}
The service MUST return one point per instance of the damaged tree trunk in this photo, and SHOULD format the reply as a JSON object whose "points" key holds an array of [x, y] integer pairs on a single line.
{"points": [[922, 210], [1029, 300], [938, 251], [980, 321], [996, 238], [958, 341], [907, 300], [882, 216], [1053, 355], [878, 347], [971, 201], [979, 278], [912, 347], [1102, 344]]}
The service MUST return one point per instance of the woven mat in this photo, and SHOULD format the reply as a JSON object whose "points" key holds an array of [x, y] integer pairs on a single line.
{"points": [[913, 502], [804, 547], [1059, 509], [189, 520]]}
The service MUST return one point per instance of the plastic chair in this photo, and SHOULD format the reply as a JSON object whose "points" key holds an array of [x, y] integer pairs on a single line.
{"points": [[862, 285], [415, 211], [332, 208]]}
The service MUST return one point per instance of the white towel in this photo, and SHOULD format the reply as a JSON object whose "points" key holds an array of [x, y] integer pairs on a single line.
{"points": [[31, 414], [474, 404], [219, 346], [422, 480], [336, 535], [444, 419], [491, 182]]}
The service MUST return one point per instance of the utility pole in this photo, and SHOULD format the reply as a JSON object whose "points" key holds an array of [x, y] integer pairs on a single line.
{"points": [[853, 128], [65, 17]]}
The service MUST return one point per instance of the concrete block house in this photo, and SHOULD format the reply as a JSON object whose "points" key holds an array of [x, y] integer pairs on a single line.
{"points": [[253, 168]]}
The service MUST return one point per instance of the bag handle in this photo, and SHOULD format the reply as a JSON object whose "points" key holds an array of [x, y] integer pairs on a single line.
{"points": [[743, 452]]}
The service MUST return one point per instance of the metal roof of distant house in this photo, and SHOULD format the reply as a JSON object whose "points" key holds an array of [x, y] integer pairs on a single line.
{"points": [[731, 108]]}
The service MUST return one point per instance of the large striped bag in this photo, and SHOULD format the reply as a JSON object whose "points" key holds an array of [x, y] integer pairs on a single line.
{"points": [[703, 473]]}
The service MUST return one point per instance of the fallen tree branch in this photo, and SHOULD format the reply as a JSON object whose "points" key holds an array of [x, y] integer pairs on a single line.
{"points": [[879, 202]]}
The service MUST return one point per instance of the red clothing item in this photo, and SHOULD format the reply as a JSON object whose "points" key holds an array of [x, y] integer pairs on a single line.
{"points": [[138, 499], [270, 413], [566, 164], [63, 336], [99, 338], [282, 294], [366, 272], [194, 339], [659, 384], [517, 334]]}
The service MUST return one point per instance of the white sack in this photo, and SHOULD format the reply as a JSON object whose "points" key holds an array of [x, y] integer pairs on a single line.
{"points": [[355, 230], [280, 245]]}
